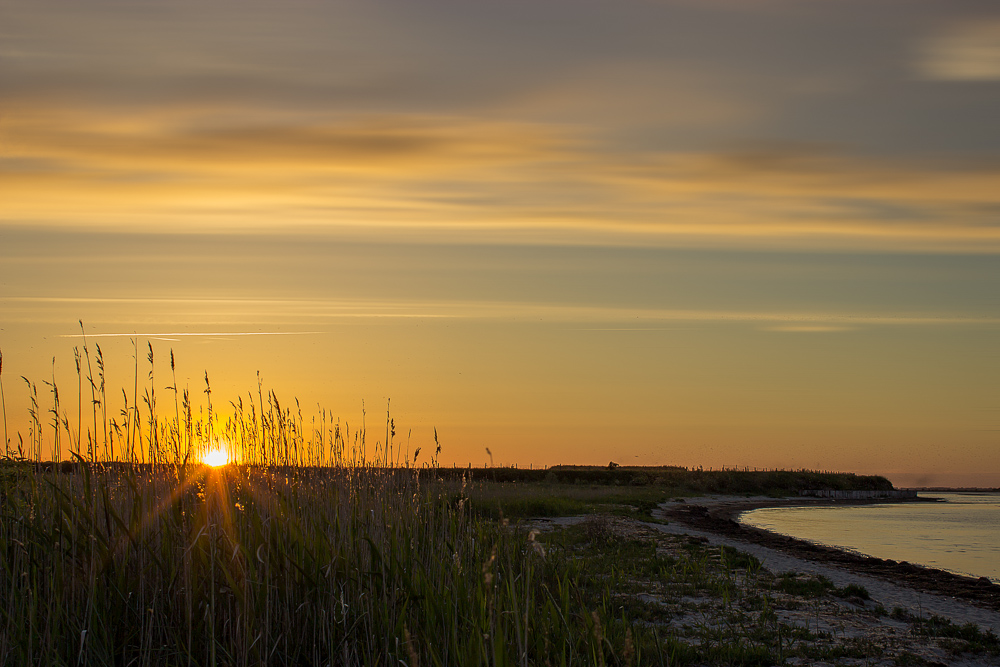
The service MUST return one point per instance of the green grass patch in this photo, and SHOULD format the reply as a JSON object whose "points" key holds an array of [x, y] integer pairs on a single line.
{"points": [[683, 481], [972, 638], [523, 500], [807, 586], [853, 591]]}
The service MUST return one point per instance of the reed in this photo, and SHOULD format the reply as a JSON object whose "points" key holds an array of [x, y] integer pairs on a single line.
{"points": [[306, 551], [316, 546], [3, 405]]}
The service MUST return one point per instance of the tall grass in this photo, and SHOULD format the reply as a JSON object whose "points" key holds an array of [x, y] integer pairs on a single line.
{"points": [[239, 566], [3, 405], [309, 551]]}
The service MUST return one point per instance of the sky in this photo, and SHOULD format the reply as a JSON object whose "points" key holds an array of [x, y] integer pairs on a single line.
{"points": [[657, 232]]}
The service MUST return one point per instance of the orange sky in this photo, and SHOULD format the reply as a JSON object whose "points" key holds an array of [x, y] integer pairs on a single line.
{"points": [[695, 233]]}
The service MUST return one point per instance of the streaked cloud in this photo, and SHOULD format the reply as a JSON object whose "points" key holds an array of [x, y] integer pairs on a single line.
{"points": [[187, 334], [327, 310], [808, 328], [596, 124], [459, 175], [965, 52]]}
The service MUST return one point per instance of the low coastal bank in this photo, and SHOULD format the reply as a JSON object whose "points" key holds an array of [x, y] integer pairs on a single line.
{"points": [[720, 516], [722, 601]]}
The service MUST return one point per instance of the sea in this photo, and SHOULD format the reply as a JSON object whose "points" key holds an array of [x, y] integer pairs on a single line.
{"points": [[959, 533]]}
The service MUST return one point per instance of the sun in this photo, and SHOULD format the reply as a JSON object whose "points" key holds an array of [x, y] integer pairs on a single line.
{"points": [[217, 456]]}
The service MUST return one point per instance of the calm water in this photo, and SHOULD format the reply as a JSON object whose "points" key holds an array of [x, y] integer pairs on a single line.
{"points": [[960, 534]]}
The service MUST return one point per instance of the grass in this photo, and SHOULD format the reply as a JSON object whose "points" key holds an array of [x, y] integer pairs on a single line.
{"points": [[716, 605], [241, 566], [708, 605], [966, 638], [321, 547], [804, 586], [812, 586], [681, 481], [516, 500]]}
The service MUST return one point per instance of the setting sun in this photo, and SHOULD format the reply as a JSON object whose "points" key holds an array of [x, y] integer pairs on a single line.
{"points": [[218, 456]]}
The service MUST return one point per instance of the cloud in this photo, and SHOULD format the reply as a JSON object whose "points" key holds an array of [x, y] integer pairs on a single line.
{"points": [[586, 125], [319, 311], [203, 140], [623, 93], [171, 335], [468, 176], [808, 328], [966, 52]]}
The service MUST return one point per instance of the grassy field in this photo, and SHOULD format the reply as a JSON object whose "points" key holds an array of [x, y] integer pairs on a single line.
{"points": [[566, 491], [679, 480], [319, 547], [249, 565], [241, 566], [688, 602]]}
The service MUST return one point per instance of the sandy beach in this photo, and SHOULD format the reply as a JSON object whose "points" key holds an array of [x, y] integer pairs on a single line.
{"points": [[892, 584], [892, 622], [716, 517]]}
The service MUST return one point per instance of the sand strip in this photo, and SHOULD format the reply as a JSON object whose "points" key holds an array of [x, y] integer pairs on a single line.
{"points": [[887, 593]]}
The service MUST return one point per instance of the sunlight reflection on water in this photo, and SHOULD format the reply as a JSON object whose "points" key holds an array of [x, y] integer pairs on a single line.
{"points": [[960, 534]]}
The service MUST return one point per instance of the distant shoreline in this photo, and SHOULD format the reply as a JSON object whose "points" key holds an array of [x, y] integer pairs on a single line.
{"points": [[951, 489], [721, 516]]}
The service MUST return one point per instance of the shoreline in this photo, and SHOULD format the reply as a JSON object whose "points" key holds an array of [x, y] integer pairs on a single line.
{"points": [[719, 589], [720, 516]]}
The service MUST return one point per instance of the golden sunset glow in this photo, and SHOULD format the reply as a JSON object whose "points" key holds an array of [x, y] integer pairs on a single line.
{"points": [[216, 457], [661, 250]]}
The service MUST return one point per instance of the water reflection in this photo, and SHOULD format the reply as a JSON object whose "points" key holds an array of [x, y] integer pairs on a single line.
{"points": [[961, 534]]}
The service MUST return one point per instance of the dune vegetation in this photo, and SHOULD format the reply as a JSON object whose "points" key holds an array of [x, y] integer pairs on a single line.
{"points": [[310, 545], [305, 544]]}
